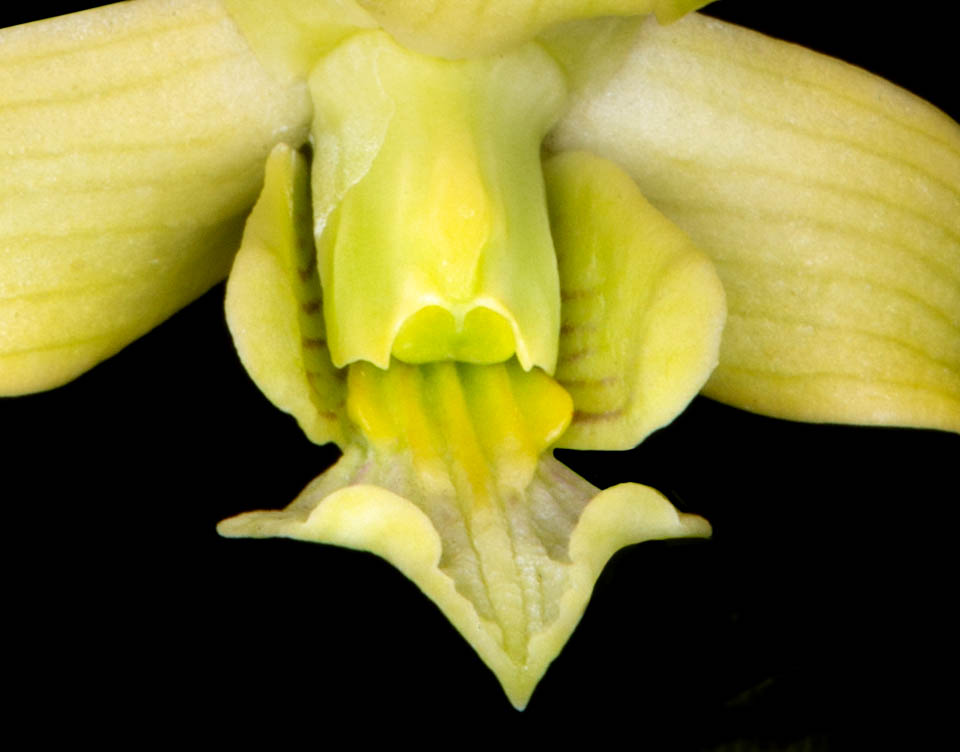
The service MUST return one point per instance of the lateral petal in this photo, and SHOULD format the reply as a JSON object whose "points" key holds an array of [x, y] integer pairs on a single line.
{"points": [[828, 198], [274, 304], [642, 311]]}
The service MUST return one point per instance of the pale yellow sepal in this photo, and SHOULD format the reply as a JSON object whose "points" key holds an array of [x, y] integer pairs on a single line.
{"points": [[274, 304], [642, 312], [372, 518], [132, 143], [828, 198], [472, 28]]}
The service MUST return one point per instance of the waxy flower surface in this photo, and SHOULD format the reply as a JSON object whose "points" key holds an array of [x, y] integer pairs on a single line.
{"points": [[481, 235]]}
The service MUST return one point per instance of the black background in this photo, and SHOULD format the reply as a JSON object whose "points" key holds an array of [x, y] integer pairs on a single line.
{"points": [[817, 612]]}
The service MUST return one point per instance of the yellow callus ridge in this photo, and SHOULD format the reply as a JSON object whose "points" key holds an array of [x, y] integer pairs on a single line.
{"points": [[492, 422], [472, 448], [433, 237], [451, 480]]}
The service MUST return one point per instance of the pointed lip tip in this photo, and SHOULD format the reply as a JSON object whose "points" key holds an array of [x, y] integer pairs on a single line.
{"points": [[519, 706], [519, 700]]}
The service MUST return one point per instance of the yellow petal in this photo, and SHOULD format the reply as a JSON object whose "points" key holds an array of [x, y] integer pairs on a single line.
{"points": [[453, 491], [828, 198], [274, 304], [132, 142], [642, 311], [471, 28]]}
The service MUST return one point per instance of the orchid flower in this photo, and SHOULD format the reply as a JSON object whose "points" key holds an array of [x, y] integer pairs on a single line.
{"points": [[468, 236]]}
